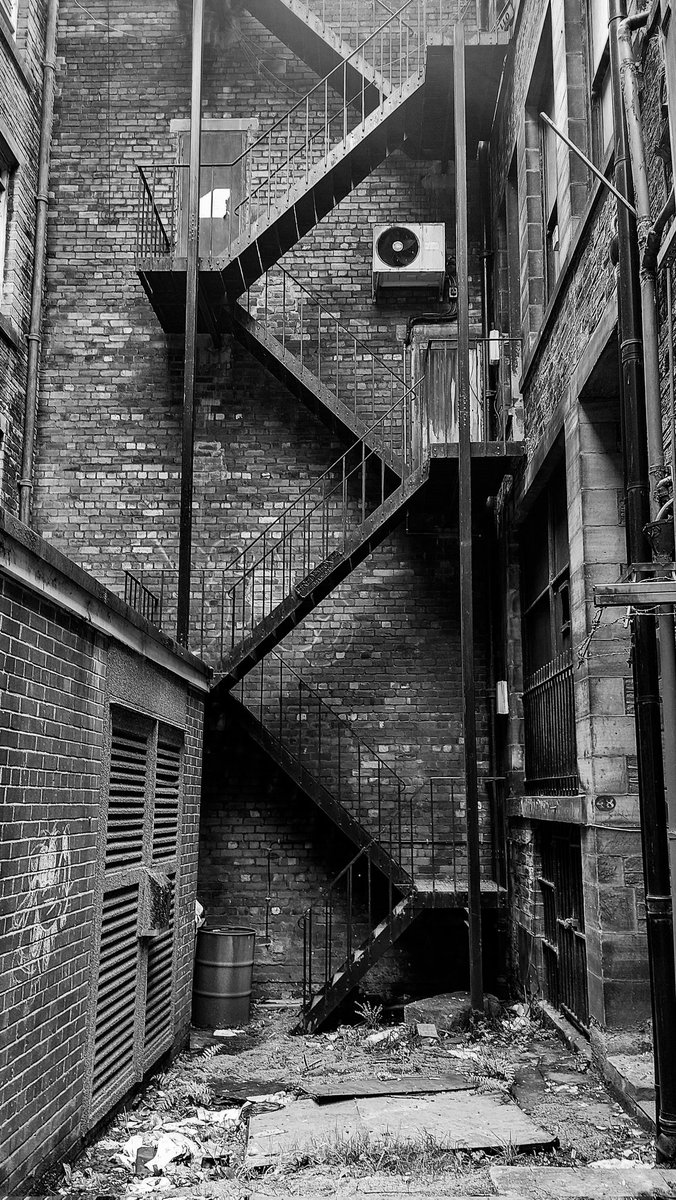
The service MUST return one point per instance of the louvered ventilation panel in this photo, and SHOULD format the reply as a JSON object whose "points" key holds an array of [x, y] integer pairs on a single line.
{"points": [[167, 785], [159, 1017], [116, 998], [127, 793]]}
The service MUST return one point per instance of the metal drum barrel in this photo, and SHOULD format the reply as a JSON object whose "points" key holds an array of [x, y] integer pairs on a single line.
{"points": [[223, 970]]}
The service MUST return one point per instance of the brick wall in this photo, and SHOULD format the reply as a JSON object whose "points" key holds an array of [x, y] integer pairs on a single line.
{"points": [[383, 648], [58, 676], [20, 101]]}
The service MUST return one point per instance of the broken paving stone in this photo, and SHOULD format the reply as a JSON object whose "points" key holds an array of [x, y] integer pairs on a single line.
{"points": [[582, 1183], [347, 1089], [449, 1011]]}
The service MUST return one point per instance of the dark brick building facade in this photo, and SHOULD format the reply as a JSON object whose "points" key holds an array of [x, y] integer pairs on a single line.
{"points": [[333, 736]]}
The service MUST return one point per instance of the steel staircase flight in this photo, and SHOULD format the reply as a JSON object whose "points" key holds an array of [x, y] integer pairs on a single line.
{"points": [[315, 542], [411, 844], [304, 345], [326, 144], [322, 47], [319, 751]]}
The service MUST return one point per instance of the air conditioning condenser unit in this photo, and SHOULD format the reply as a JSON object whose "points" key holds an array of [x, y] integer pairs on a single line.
{"points": [[409, 256]]}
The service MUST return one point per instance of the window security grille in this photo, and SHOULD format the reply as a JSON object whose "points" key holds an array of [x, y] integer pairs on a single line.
{"points": [[134, 1019], [564, 944]]}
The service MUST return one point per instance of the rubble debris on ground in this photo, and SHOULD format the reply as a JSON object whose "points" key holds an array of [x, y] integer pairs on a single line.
{"points": [[191, 1123]]}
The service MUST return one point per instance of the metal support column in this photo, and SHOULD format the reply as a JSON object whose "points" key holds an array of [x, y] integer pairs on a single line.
{"points": [[190, 351], [653, 809], [465, 531]]}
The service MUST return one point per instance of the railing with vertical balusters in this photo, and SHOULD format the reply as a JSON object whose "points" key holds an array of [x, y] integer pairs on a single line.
{"points": [[227, 603], [328, 752], [345, 364], [313, 531], [267, 171], [549, 728], [335, 930]]}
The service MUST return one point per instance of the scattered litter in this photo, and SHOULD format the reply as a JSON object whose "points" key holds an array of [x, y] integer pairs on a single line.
{"points": [[226, 1033], [170, 1147], [223, 1116], [427, 1030], [154, 1183], [144, 1154], [127, 1153], [377, 1039], [608, 1164]]}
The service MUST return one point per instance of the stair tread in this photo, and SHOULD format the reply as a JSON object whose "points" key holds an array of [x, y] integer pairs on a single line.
{"points": [[241, 262]]}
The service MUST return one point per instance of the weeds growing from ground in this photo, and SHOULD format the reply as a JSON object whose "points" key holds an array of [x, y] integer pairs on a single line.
{"points": [[360, 1154]]}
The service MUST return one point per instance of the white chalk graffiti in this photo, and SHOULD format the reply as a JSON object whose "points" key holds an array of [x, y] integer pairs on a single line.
{"points": [[42, 910]]}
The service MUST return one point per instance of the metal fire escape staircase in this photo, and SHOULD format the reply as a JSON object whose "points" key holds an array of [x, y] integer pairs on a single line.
{"points": [[291, 176], [369, 102], [325, 365], [411, 844]]}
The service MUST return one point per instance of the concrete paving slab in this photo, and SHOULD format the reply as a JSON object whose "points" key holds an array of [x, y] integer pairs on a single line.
{"points": [[408, 1085], [457, 1119], [583, 1183], [298, 1127]]}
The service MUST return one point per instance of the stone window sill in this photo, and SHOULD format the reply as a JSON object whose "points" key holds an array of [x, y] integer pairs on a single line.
{"points": [[9, 332], [9, 41]]}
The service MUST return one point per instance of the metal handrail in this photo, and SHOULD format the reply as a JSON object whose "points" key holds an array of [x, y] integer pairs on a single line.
{"points": [[365, 753], [315, 300], [328, 474]]}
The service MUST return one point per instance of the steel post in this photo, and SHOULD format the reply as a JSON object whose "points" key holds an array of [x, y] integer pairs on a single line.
{"points": [[465, 531], [190, 349]]}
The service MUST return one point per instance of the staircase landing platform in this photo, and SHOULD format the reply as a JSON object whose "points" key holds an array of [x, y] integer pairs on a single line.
{"points": [[445, 893]]}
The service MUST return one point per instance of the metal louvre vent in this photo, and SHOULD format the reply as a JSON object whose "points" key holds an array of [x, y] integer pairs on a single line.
{"points": [[127, 794], [116, 996], [167, 787], [159, 1025]]}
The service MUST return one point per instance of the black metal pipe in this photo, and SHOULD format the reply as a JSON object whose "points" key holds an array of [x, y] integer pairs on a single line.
{"points": [[190, 348], [652, 801], [39, 259], [465, 531]]}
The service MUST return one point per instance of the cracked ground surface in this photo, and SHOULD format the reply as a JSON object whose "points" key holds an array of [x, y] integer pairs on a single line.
{"points": [[263, 1065]]}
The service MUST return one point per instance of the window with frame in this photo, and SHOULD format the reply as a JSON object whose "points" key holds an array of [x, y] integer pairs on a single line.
{"points": [[542, 138], [4, 221], [602, 130], [548, 694]]}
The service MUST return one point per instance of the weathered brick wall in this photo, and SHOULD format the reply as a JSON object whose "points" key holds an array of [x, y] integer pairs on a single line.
{"points": [[20, 101], [52, 726], [385, 646], [58, 677]]}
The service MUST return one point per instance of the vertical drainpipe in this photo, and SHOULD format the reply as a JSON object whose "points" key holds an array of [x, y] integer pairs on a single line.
{"points": [[39, 258], [651, 371], [465, 530], [190, 347], [659, 918]]}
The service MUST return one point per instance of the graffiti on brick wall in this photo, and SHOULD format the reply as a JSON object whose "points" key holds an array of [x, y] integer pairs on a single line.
{"points": [[41, 914]]}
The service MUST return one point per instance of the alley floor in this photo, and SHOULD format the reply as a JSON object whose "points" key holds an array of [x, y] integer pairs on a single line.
{"points": [[364, 1112]]}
